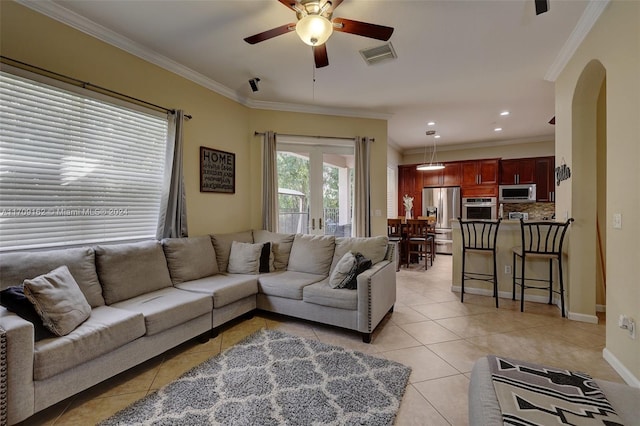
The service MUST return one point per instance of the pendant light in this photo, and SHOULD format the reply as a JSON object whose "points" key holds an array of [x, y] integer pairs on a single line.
{"points": [[431, 165]]}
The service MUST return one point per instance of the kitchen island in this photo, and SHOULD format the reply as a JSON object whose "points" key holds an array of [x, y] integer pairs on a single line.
{"points": [[509, 236]]}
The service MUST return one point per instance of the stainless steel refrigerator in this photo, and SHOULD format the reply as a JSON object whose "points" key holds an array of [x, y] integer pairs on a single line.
{"points": [[445, 204]]}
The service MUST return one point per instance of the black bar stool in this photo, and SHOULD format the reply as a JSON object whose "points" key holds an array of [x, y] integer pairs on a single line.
{"points": [[479, 237], [540, 240]]}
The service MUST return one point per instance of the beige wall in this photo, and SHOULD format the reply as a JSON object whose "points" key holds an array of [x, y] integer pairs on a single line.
{"points": [[218, 122], [612, 46]]}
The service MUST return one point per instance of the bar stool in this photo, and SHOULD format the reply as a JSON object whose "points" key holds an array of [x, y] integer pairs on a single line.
{"points": [[479, 237], [540, 240]]}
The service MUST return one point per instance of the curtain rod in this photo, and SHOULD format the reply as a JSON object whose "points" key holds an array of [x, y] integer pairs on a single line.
{"points": [[84, 84], [256, 133]]}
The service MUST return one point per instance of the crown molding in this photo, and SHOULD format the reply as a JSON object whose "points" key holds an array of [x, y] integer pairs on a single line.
{"points": [[87, 26], [314, 109], [484, 144], [80, 23], [588, 19]]}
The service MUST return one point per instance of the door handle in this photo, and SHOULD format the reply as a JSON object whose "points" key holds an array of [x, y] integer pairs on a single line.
{"points": [[313, 224], [320, 223]]}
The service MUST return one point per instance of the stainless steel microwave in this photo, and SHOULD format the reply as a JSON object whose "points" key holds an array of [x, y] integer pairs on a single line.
{"points": [[518, 193]]}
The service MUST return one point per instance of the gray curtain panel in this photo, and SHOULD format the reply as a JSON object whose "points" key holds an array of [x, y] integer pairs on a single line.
{"points": [[269, 183], [362, 190], [172, 222]]}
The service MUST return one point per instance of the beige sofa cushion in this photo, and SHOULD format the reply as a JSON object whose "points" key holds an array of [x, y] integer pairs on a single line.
{"points": [[190, 258], [106, 329], [280, 246], [58, 300], [129, 270], [321, 293], [373, 248], [18, 266], [286, 284], [222, 246], [224, 288], [167, 308], [312, 254]]}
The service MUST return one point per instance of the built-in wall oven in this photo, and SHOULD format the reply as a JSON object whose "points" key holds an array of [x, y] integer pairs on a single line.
{"points": [[479, 208]]}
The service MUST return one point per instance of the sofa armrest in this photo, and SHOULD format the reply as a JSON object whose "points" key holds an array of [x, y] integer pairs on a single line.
{"points": [[19, 365], [376, 294]]}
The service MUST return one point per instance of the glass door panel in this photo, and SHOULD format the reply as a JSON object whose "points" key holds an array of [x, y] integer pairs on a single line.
{"points": [[315, 189]]}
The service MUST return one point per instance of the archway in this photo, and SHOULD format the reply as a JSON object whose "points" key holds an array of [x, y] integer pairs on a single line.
{"points": [[587, 260]]}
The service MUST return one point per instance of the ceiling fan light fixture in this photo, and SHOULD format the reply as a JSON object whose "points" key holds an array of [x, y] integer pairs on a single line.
{"points": [[314, 30]]}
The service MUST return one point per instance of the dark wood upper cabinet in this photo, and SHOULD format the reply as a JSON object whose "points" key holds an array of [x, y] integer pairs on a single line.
{"points": [[480, 172], [545, 175], [516, 171], [451, 175]]}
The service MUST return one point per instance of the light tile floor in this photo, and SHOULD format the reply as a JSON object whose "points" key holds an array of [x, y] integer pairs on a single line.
{"points": [[429, 330]]}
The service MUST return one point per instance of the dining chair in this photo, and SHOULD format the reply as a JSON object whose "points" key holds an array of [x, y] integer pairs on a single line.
{"points": [[540, 240], [479, 237], [419, 244], [394, 232]]}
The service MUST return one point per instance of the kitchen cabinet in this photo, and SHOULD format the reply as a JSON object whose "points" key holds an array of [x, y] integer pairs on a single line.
{"points": [[449, 176], [409, 183], [517, 171], [545, 179], [480, 172], [479, 178]]}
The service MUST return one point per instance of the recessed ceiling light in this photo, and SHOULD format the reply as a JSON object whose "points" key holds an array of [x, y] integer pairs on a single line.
{"points": [[431, 123], [437, 136], [504, 113], [497, 129]]}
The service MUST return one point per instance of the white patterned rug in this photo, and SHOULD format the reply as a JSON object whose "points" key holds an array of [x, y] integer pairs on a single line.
{"points": [[273, 378]]}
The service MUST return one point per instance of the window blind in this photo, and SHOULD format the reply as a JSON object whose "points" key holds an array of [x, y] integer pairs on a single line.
{"points": [[75, 169]]}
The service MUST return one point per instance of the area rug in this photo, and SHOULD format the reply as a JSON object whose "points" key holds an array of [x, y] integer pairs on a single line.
{"points": [[273, 378]]}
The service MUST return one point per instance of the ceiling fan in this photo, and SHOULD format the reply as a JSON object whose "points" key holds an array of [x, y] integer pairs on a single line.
{"points": [[315, 25]]}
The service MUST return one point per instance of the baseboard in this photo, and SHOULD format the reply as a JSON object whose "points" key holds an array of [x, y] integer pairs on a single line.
{"points": [[575, 316], [626, 375], [505, 294], [601, 308]]}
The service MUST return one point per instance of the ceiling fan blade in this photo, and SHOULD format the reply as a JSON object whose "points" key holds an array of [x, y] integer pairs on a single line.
{"points": [[363, 29], [320, 55], [274, 32], [288, 3], [542, 6]]}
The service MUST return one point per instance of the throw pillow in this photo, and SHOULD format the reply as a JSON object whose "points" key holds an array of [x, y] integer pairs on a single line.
{"points": [[266, 259], [15, 301], [362, 264], [244, 258], [58, 300], [343, 270]]}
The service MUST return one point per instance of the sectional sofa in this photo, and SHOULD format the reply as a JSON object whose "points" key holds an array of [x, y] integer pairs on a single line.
{"points": [[144, 298]]}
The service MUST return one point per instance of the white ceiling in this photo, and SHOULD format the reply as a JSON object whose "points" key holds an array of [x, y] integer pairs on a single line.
{"points": [[460, 63]]}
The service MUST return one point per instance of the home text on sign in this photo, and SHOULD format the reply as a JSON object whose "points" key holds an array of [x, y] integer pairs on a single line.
{"points": [[217, 171]]}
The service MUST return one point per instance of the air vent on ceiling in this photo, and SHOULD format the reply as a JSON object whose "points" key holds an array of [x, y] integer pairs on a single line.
{"points": [[377, 54]]}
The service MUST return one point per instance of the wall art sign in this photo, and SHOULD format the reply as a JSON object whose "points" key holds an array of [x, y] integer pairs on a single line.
{"points": [[563, 172], [217, 171]]}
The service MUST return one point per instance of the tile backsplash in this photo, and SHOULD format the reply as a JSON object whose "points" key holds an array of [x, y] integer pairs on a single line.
{"points": [[537, 211]]}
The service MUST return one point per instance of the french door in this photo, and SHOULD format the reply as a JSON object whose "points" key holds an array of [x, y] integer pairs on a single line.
{"points": [[315, 188]]}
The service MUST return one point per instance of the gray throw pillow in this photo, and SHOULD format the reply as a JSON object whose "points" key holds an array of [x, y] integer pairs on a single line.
{"points": [[222, 246], [244, 258], [343, 271], [58, 300]]}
